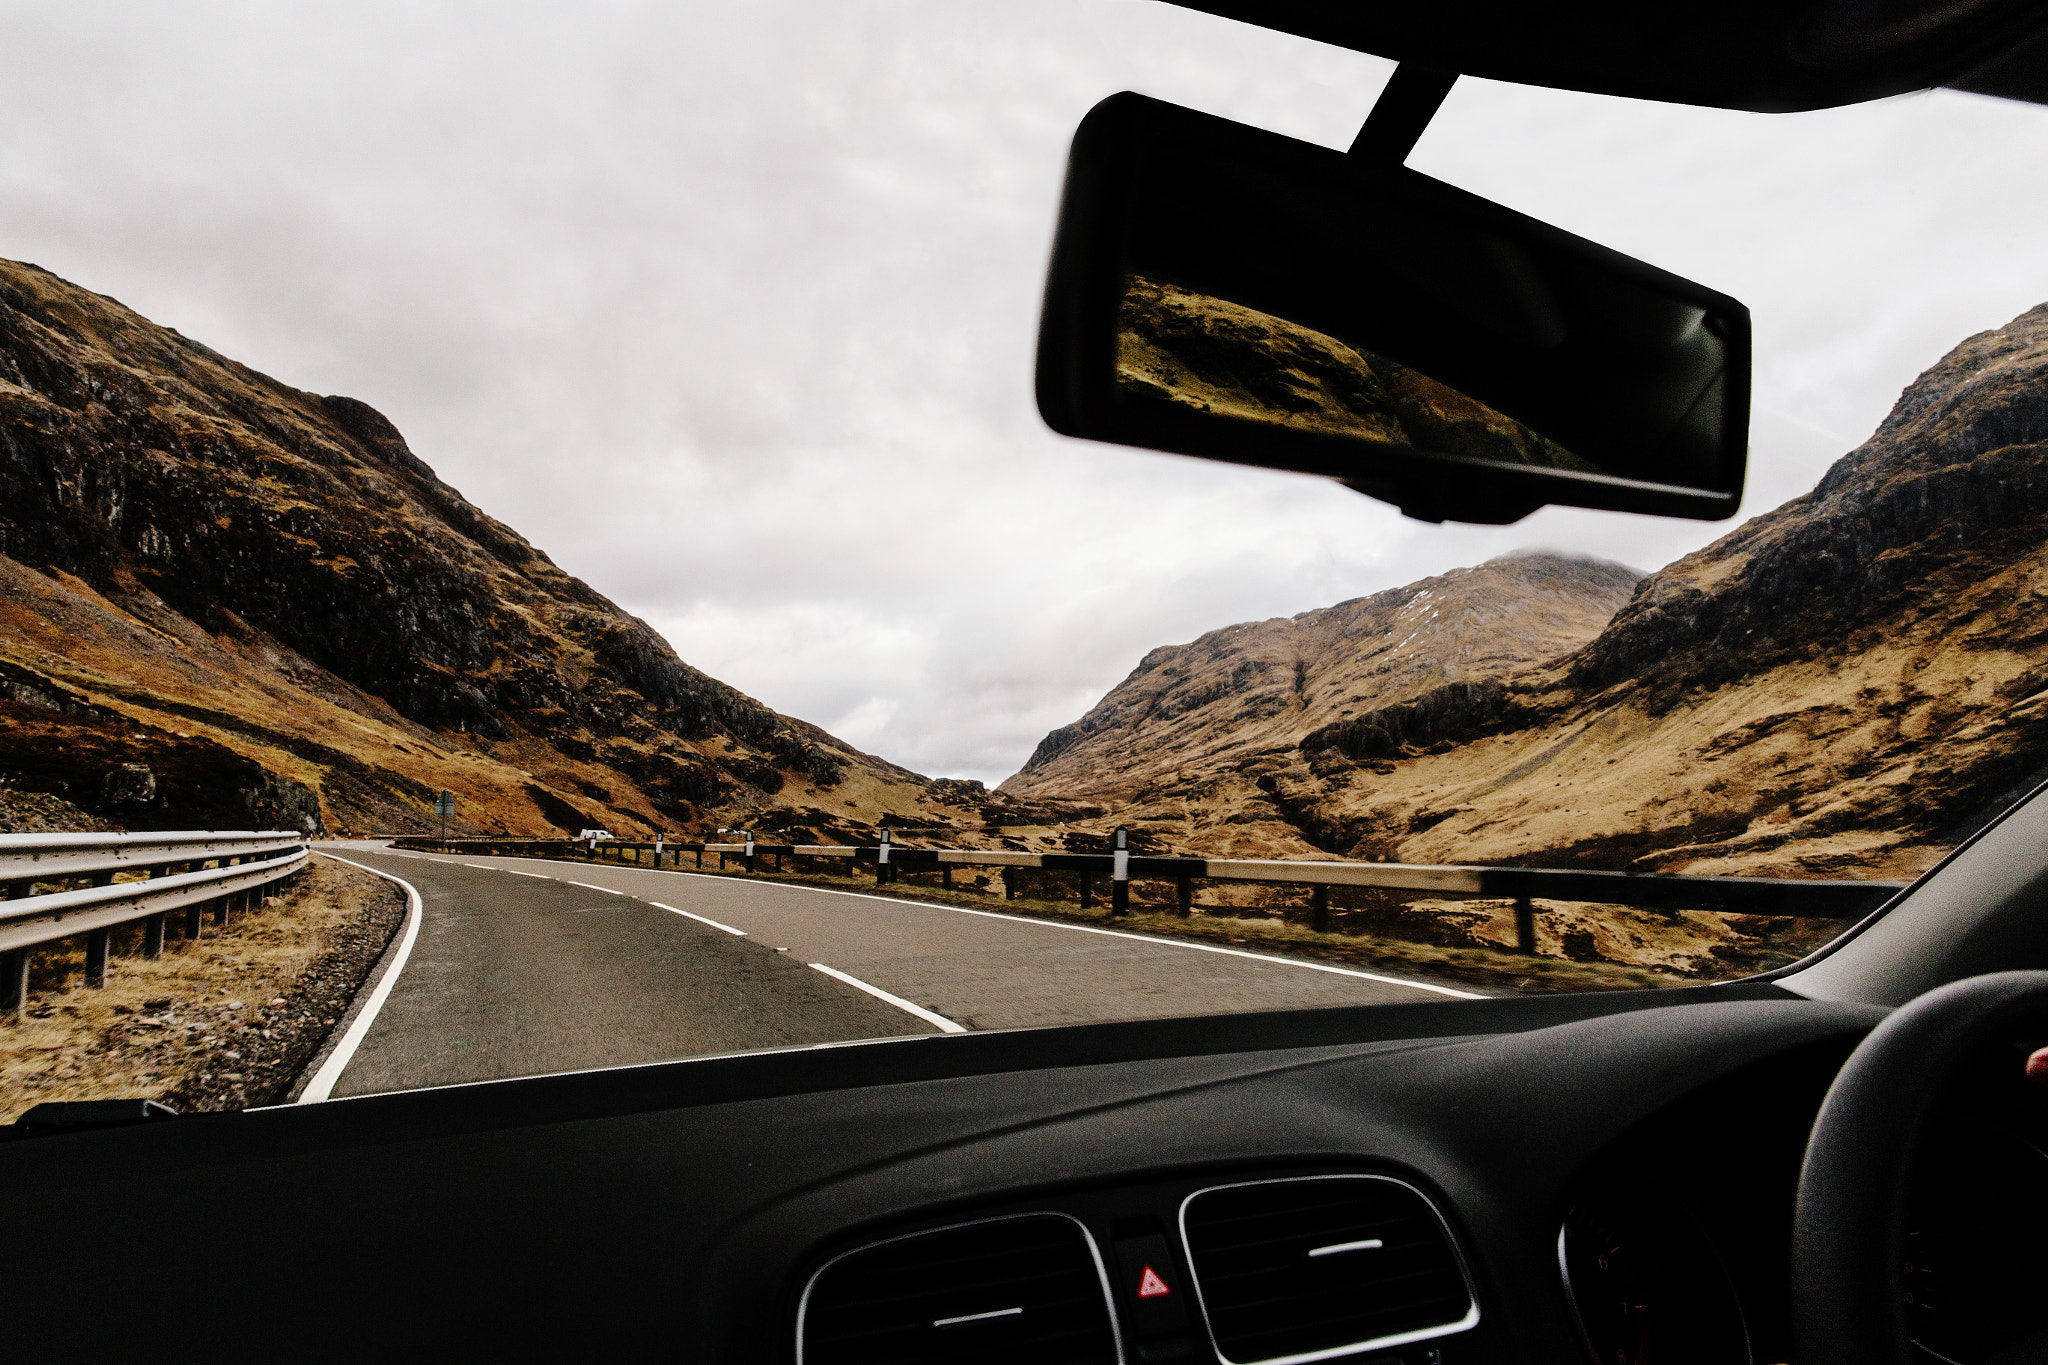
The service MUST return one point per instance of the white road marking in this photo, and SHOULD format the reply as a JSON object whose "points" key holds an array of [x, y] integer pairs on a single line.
{"points": [[537, 876], [481, 867], [1158, 941], [940, 1021], [321, 1087], [588, 887], [699, 918]]}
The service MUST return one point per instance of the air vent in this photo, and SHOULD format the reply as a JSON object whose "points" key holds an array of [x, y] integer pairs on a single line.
{"points": [[1027, 1289], [1322, 1266]]}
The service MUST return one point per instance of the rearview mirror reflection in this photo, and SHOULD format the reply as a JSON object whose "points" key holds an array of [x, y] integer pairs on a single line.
{"points": [[1225, 292]]}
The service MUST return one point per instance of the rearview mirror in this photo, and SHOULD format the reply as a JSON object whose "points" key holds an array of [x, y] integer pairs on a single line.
{"points": [[1221, 291]]}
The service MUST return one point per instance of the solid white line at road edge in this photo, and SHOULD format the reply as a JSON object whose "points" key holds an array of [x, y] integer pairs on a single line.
{"points": [[699, 918], [321, 1087], [940, 1021]]}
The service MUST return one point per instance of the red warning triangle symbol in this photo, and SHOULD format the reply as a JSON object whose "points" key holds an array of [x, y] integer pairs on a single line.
{"points": [[1150, 1286]]}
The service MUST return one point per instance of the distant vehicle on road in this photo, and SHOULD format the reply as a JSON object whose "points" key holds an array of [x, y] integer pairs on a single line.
{"points": [[595, 834]]}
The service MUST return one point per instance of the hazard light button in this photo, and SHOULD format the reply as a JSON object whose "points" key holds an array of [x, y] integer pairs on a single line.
{"points": [[1149, 1286]]}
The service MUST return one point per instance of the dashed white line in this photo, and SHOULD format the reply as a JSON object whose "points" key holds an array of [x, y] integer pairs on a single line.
{"points": [[699, 918], [588, 887], [537, 876], [1160, 941], [939, 1021], [481, 867]]}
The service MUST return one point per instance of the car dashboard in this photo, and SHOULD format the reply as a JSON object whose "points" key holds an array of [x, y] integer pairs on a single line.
{"points": [[1533, 1179]]}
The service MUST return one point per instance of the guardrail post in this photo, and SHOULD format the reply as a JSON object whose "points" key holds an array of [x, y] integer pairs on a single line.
{"points": [[700, 857], [153, 936], [192, 922], [1087, 889], [1319, 909], [1120, 872], [749, 855], [1009, 884], [96, 958], [14, 981], [1525, 925], [1187, 895], [946, 875]]}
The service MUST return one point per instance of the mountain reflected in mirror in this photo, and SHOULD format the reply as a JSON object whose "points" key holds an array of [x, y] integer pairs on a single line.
{"points": [[1196, 351]]}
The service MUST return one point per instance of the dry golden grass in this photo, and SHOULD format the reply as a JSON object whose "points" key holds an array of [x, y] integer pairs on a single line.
{"points": [[159, 1022]]}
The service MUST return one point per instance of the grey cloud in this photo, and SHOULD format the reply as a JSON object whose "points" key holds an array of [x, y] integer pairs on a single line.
{"points": [[730, 307]]}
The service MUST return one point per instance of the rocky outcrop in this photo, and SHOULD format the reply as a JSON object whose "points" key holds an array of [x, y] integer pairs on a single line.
{"points": [[1189, 736], [201, 554]]}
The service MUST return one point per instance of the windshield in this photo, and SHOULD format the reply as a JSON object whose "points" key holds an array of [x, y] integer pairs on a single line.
{"points": [[570, 482]]}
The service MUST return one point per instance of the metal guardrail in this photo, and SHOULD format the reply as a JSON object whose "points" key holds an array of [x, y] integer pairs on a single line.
{"points": [[188, 871], [1776, 896]]}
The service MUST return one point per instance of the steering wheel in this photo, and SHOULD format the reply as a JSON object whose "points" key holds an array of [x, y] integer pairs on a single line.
{"points": [[1849, 1229]]}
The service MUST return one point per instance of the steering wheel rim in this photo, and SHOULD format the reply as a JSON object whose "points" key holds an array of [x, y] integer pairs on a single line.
{"points": [[1848, 1305]]}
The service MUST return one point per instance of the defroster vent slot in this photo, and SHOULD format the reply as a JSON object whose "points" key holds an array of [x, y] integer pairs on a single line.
{"points": [[1027, 1288], [1316, 1267]]}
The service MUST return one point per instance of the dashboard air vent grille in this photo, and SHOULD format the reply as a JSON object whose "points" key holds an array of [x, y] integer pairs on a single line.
{"points": [[1028, 1288], [1319, 1266]]}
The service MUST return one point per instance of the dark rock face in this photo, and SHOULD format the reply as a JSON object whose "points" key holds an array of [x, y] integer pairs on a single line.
{"points": [[1959, 469], [1452, 713], [131, 784], [150, 478]]}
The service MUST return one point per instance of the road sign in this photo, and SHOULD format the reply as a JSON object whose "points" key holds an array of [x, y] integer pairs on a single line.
{"points": [[444, 804]]}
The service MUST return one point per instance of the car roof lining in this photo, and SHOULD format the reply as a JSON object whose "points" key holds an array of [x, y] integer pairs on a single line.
{"points": [[1760, 55]]}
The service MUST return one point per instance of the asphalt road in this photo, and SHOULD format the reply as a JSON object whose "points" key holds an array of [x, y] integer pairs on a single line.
{"points": [[525, 966]]}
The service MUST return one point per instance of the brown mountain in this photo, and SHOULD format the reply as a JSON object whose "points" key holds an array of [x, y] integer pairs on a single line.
{"points": [[1191, 742], [1830, 690], [225, 601]]}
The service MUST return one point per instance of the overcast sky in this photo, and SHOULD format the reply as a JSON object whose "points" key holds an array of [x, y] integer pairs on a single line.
{"points": [[730, 307]]}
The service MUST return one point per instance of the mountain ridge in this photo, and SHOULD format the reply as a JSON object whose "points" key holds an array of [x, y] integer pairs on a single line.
{"points": [[1222, 706], [267, 591], [1828, 690]]}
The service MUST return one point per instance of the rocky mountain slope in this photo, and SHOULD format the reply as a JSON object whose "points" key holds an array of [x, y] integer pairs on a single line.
{"points": [[224, 601], [1189, 737], [1829, 690]]}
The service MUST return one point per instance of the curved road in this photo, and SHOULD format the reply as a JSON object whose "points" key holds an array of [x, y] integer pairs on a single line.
{"points": [[524, 966]]}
